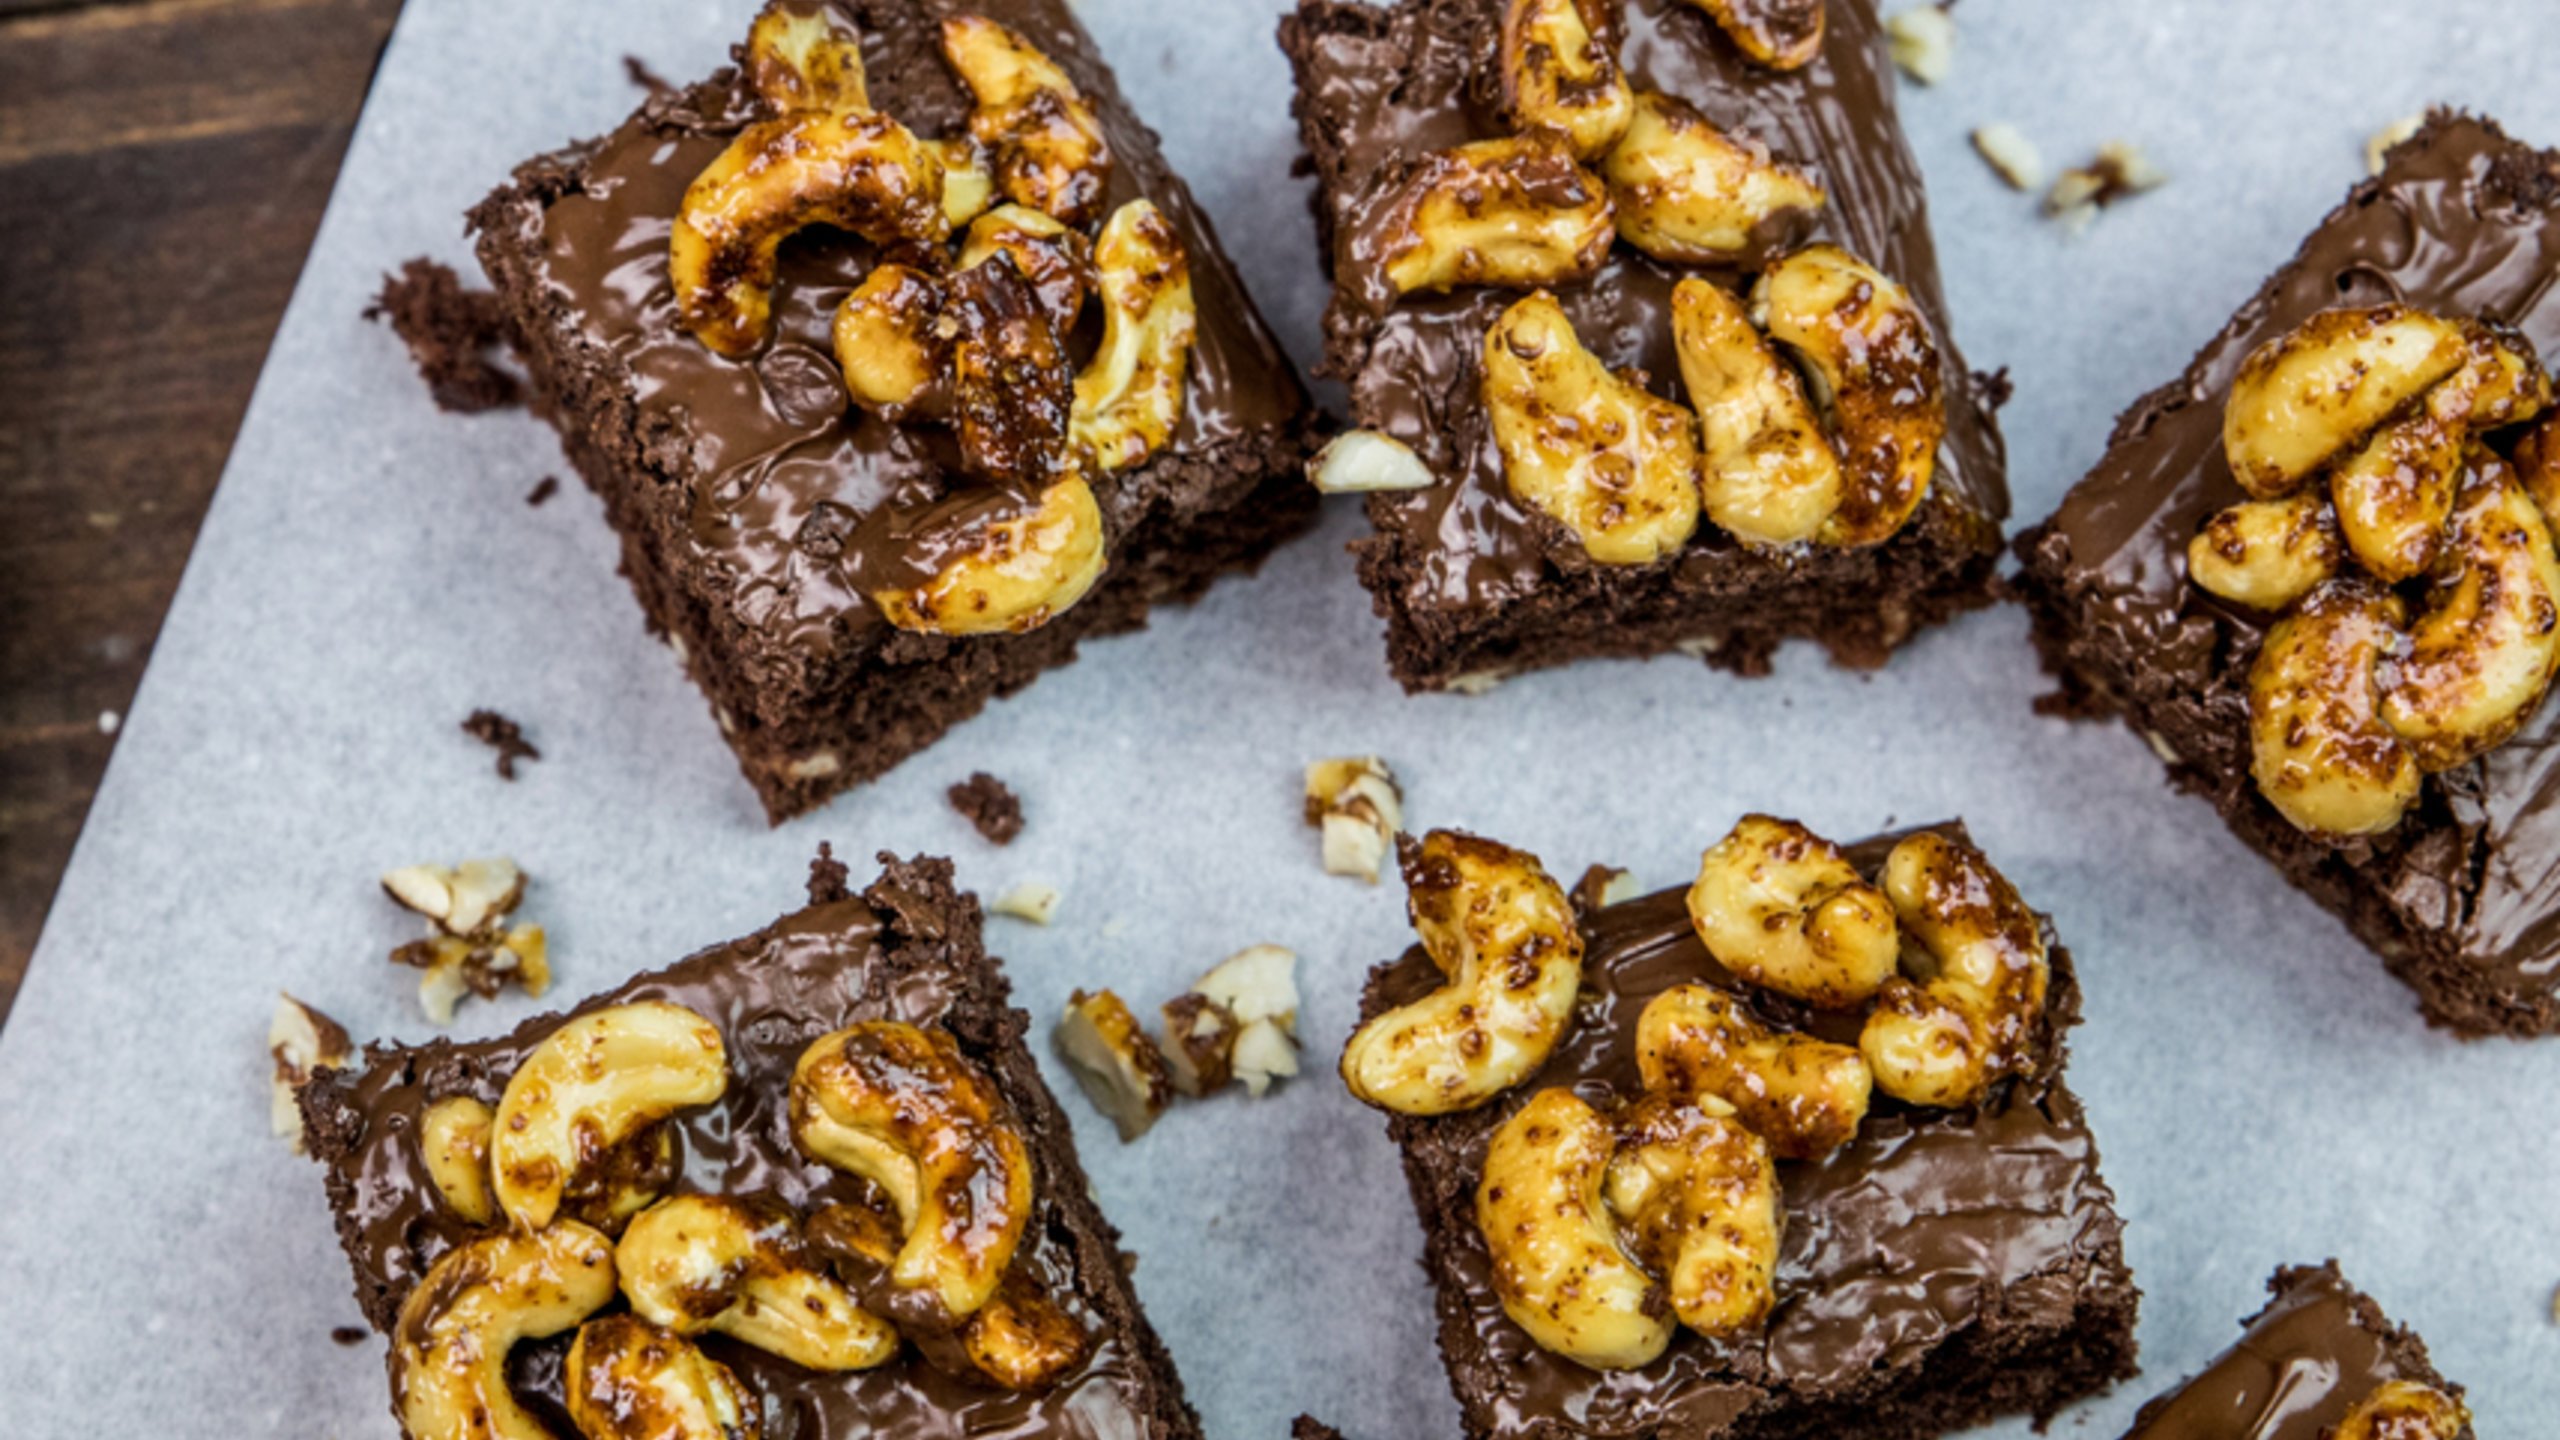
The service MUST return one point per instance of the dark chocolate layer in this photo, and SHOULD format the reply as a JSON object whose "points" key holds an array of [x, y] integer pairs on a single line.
{"points": [[907, 949], [1933, 1248], [2463, 899], [2316, 1349]]}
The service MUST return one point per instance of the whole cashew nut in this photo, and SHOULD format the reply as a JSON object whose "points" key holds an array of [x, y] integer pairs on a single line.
{"points": [[1804, 1096], [889, 343], [1689, 194], [2319, 749], [1699, 1199], [1874, 371], [1596, 452], [799, 58], [1944, 1042], [1768, 474], [2299, 401], [1558, 71], [1003, 566], [1020, 1339], [629, 1380], [904, 1108], [1783, 909], [1049, 149], [2483, 651], [454, 1137], [1503, 933], [449, 1346], [705, 1262], [2395, 493], [2266, 554], [1128, 399], [1781, 34], [591, 1085], [1515, 212], [1560, 1268]]}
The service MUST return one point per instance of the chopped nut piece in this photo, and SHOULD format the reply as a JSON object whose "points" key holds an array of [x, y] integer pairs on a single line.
{"points": [[1121, 1070], [2011, 155], [475, 952], [2377, 150], [465, 900], [1200, 1038], [1923, 41], [301, 1040], [1356, 461], [1034, 902], [1128, 397], [1602, 886], [1256, 989], [1355, 802], [2119, 171]]}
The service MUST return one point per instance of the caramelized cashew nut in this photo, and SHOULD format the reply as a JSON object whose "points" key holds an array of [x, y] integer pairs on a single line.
{"points": [[2404, 1410], [1502, 932], [2301, 400], [799, 58], [2319, 749], [904, 1108], [2267, 554], [1020, 1339], [1804, 1096], [1874, 370], [1687, 193], [630, 1380], [592, 1085], [706, 1262], [1518, 211], [1783, 909], [1128, 399], [1004, 565], [449, 1347], [2483, 651], [1560, 1268], [453, 1136], [2394, 494], [1558, 71], [1768, 474], [1945, 1041], [1596, 452], [1049, 149], [1055, 258], [1698, 1196], [1012, 386], [1781, 34], [889, 340]]}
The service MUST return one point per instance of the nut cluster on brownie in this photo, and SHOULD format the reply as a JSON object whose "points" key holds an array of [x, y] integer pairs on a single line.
{"points": [[2410, 561], [1815, 409], [1610, 1227], [571, 1181], [976, 339]]}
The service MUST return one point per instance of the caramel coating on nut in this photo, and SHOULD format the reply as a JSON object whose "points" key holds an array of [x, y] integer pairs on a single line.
{"points": [[1781, 34], [629, 1380], [2487, 642], [1873, 366], [1114, 1060], [968, 186], [449, 1346], [1128, 398], [591, 1085], [2537, 462], [1046, 141], [1518, 211], [738, 1268], [999, 565], [1945, 1041], [1698, 1197], [1023, 1340], [2395, 493], [1687, 193], [857, 171], [1783, 909], [2267, 554], [1502, 932], [453, 1136], [1596, 452], [1804, 1096], [1056, 259], [799, 58], [2319, 750], [2299, 401], [889, 340], [1559, 1266], [2404, 1410], [1556, 69], [1767, 474], [1012, 387], [904, 1108]]}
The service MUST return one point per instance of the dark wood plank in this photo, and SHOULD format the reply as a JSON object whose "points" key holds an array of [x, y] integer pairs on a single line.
{"points": [[164, 163]]}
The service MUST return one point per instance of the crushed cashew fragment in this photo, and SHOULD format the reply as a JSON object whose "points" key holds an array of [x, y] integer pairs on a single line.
{"points": [[1255, 993], [301, 1041], [1115, 1062], [1354, 802], [2378, 147], [2011, 155], [1128, 398], [474, 950], [1614, 464], [1923, 41], [1358, 461], [2120, 171], [1033, 900]]}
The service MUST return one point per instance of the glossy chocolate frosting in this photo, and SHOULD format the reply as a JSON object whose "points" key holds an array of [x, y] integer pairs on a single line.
{"points": [[1921, 1229], [771, 994], [795, 506], [2462, 222], [2301, 1364], [1415, 369]]}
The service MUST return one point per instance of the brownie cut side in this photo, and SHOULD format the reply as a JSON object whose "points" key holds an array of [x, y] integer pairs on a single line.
{"points": [[2458, 899], [907, 948], [758, 512], [1941, 1268], [2300, 1365], [1472, 583]]}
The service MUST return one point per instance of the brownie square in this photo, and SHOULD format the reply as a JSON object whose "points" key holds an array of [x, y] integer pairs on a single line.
{"points": [[758, 511], [1473, 584], [907, 948], [2318, 1348], [2456, 899], [1940, 1268]]}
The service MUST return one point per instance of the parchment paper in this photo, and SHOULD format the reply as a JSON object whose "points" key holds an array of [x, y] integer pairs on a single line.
{"points": [[2264, 1094]]}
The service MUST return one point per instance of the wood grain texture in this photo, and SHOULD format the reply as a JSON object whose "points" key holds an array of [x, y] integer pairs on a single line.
{"points": [[164, 164]]}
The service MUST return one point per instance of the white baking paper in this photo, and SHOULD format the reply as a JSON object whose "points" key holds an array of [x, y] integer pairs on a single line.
{"points": [[369, 574]]}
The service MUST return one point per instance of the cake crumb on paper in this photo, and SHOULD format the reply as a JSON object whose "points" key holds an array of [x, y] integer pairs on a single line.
{"points": [[450, 330], [990, 805], [502, 735]]}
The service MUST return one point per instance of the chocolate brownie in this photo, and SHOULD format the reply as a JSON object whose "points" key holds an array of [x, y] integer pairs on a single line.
{"points": [[760, 514], [1474, 583], [2456, 898], [2316, 1350], [1942, 1266], [908, 949]]}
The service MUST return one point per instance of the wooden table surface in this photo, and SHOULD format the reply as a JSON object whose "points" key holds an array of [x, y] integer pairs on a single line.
{"points": [[163, 164]]}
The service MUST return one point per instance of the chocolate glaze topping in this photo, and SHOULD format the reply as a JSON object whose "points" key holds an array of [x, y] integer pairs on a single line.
{"points": [[2462, 222], [2303, 1362], [803, 505], [1893, 1245], [1412, 87]]}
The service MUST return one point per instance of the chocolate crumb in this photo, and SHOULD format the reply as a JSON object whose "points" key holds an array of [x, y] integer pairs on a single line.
{"points": [[449, 331], [644, 77], [549, 487], [502, 735], [830, 879], [1996, 387], [990, 806], [349, 1334]]}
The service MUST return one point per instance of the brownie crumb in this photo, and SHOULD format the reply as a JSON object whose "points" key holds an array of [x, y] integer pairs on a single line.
{"points": [[990, 806], [549, 486], [1996, 387], [502, 735], [349, 1334], [449, 331], [644, 77], [830, 879]]}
